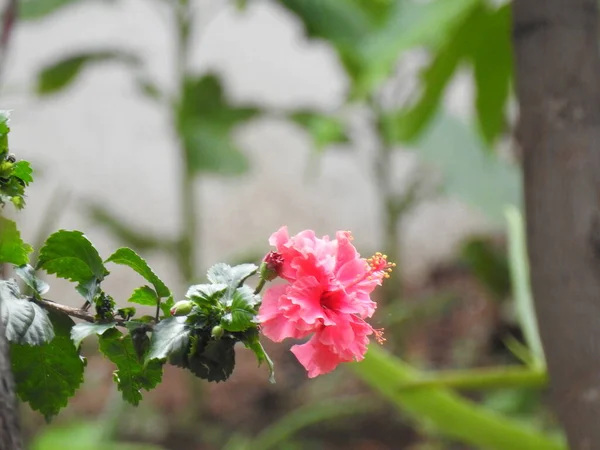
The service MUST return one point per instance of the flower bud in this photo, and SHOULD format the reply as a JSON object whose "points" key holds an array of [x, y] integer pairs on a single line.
{"points": [[217, 332], [182, 308], [271, 266]]}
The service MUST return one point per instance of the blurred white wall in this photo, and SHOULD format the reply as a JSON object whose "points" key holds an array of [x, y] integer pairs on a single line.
{"points": [[102, 140]]}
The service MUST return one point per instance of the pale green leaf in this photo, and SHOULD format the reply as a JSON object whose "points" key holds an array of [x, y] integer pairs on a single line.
{"points": [[84, 329], [24, 321]]}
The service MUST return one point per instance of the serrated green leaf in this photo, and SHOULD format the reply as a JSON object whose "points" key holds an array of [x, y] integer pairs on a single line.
{"points": [[169, 336], [131, 375], [240, 310], [252, 342], [70, 255], [38, 9], [84, 329], [144, 295], [24, 321], [48, 375], [205, 121], [222, 273], [127, 257], [27, 274], [324, 130], [214, 361], [206, 294], [12, 248], [58, 76], [23, 171]]}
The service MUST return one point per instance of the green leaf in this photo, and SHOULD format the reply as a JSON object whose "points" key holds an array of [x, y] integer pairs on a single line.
{"points": [[214, 361], [479, 178], [60, 75], [345, 24], [493, 69], [222, 273], [324, 130], [12, 248], [144, 295], [446, 412], [241, 310], [206, 294], [127, 257], [205, 121], [169, 336], [84, 329], [24, 321], [410, 25], [70, 255], [4, 130], [252, 342], [435, 79], [27, 274], [48, 375], [38, 9], [23, 171], [131, 375]]}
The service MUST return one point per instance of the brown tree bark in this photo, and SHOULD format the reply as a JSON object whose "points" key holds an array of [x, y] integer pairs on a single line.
{"points": [[558, 87], [10, 433]]}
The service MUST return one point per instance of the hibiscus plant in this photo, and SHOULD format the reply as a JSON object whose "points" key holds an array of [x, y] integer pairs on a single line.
{"points": [[324, 292]]}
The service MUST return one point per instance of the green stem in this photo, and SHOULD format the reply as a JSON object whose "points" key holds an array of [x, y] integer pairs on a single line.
{"points": [[305, 416], [447, 412], [502, 377], [519, 273], [260, 286]]}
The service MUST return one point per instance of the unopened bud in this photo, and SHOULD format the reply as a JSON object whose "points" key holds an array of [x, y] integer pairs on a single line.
{"points": [[271, 266], [217, 332], [182, 308]]}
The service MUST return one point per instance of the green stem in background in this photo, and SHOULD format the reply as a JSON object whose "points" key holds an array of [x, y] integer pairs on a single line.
{"points": [[188, 241], [487, 378], [519, 273], [445, 411], [277, 434]]}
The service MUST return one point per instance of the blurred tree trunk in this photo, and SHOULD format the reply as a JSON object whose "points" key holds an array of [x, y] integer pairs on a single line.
{"points": [[10, 433], [558, 87]]}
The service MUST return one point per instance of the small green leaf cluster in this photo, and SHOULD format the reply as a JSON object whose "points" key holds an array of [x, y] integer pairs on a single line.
{"points": [[207, 325], [14, 175]]}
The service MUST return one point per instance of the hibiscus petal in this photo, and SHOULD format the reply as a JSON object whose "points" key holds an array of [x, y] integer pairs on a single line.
{"points": [[280, 328], [279, 238], [316, 358], [270, 306]]}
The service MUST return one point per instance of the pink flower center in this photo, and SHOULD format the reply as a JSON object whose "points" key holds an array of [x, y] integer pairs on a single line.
{"points": [[332, 299]]}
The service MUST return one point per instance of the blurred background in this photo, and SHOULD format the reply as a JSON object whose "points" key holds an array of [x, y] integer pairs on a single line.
{"points": [[190, 130]]}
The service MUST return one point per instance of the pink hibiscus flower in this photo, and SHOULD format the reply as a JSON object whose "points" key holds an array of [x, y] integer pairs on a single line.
{"points": [[327, 295]]}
